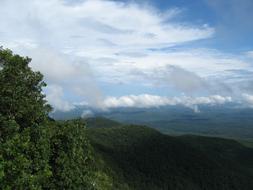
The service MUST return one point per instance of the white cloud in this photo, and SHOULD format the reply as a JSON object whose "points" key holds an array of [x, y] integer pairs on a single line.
{"points": [[203, 63], [180, 79], [249, 54], [68, 42], [87, 113], [76, 46], [147, 101], [73, 75], [55, 97], [248, 99], [126, 25], [57, 67]]}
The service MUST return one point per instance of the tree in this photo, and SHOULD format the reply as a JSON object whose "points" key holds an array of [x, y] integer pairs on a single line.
{"points": [[71, 158], [24, 157], [21, 90], [24, 140], [35, 152]]}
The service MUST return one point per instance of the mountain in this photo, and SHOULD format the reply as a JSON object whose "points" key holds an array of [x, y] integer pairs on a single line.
{"points": [[230, 121], [101, 122], [222, 121], [138, 157]]}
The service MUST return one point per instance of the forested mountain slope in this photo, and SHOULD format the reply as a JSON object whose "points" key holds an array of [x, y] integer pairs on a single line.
{"points": [[139, 157]]}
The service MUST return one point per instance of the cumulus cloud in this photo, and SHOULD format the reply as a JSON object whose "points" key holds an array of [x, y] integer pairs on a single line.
{"points": [[147, 101], [55, 97], [248, 99]]}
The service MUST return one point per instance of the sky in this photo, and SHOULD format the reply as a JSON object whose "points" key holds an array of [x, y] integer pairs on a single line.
{"points": [[135, 53]]}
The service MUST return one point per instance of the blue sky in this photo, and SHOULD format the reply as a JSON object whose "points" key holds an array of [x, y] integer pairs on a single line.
{"points": [[135, 53], [232, 20]]}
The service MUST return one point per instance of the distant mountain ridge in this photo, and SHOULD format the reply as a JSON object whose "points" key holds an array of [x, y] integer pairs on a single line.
{"points": [[224, 121]]}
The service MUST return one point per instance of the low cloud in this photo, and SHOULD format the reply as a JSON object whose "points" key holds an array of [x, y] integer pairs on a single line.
{"points": [[55, 96], [148, 101], [248, 99], [71, 74], [57, 100], [87, 114]]}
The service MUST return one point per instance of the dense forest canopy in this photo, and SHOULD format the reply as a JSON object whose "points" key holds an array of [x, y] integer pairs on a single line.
{"points": [[21, 90], [36, 152]]}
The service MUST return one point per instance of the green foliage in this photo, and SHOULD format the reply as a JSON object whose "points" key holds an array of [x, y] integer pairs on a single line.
{"points": [[24, 156], [71, 157], [20, 92], [101, 181], [220, 121], [98, 122], [142, 158], [36, 152], [24, 150]]}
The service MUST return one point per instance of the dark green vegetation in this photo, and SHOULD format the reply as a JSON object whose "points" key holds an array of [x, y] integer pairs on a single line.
{"points": [[37, 152], [101, 122], [142, 158], [227, 121], [230, 121]]}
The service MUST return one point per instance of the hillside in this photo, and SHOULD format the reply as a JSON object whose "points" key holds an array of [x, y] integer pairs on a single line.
{"points": [[101, 122], [139, 157], [219, 121]]}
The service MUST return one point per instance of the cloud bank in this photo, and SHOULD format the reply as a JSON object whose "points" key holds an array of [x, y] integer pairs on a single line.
{"points": [[148, 101]]}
